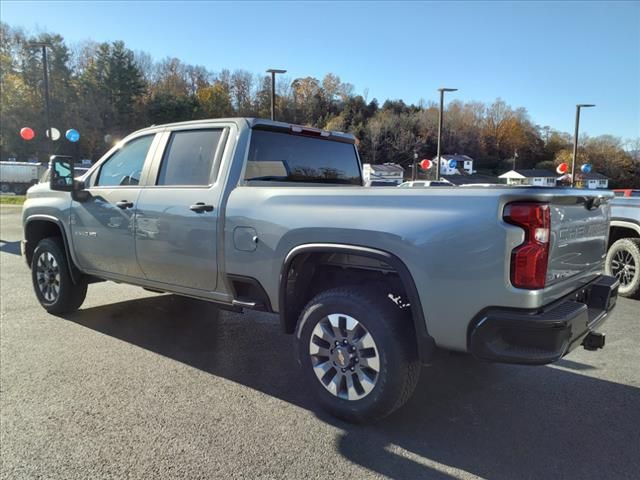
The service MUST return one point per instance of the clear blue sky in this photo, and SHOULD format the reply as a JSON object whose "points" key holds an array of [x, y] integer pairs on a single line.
{"points": [[543, 56]]}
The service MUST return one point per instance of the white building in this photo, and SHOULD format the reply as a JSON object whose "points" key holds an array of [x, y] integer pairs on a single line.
{"points": [[536, 177], [591, 180], [462, 162]]}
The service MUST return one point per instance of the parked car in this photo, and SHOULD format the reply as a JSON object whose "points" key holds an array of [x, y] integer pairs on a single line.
{"points": [[425, 183], [256, 214], [623, 256], [626, 192]]}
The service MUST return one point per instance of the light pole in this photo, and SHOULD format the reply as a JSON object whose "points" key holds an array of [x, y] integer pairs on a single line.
{"points": [[575, 141], [44, 46], [441, 90], [273, 72]]}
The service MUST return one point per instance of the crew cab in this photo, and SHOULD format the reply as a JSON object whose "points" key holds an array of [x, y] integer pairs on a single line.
{"points": [[256, 214]]}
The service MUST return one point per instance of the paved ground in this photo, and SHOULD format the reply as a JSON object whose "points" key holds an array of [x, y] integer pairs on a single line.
{"points": [[137, 385]]}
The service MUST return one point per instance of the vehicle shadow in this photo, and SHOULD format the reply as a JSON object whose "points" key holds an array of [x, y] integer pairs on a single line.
{"points": [[10, 247], [466, 417]]}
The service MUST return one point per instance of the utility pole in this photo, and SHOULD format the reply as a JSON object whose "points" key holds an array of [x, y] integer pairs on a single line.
{"points": [[575, 141], [441, 90], [45, 68], [273, 72]]}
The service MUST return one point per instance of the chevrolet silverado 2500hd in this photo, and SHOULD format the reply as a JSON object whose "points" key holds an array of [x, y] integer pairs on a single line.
{"points": [[256, 214]]}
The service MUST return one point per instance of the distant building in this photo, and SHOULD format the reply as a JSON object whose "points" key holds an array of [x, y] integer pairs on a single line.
{"points": [[591, 180], [535, 177], [462, 163], [473, 179], [385, 175]]}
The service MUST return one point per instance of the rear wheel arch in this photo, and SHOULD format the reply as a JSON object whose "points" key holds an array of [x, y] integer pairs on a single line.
{"points": [[304, 258]]}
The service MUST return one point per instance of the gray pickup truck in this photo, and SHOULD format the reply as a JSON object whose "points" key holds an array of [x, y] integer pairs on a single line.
{"points": [[256, 214]]}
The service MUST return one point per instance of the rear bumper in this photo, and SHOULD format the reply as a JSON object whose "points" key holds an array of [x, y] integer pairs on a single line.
{"points": [[544, 335]]}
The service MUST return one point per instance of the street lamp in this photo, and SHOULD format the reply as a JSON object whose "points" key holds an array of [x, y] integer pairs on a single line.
{"points": [[273, 72], [575, 141], [44, 46], [441, 90]]}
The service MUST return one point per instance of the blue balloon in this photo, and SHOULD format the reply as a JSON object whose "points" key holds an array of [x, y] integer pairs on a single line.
{"points": [[72, 135], [453, 164], [586, 168]]}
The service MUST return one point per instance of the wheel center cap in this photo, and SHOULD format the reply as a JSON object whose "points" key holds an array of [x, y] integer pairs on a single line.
{"points": [[342, 357]]}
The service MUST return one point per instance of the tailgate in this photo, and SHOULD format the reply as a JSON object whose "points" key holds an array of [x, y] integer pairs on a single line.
{"points": [[579, 236]]}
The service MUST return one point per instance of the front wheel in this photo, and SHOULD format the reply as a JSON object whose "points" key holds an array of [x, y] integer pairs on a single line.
{"points": [[52, 281], [358, 353], [623, 262]]}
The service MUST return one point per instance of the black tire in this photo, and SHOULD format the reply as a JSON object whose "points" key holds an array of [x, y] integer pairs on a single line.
{"points": [[395, 341], [61, 295], [625, 251]]}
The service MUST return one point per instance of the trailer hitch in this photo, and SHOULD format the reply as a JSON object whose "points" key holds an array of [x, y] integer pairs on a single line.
{"points": [[593, 341]]}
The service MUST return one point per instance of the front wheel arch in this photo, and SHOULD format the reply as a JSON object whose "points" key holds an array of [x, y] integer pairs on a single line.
{"points": [[38, 228]]}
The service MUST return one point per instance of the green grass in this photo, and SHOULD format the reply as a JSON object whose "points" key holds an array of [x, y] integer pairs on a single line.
{"points": [[12, 199]]}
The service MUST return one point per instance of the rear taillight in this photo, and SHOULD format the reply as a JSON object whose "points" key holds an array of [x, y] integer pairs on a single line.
{"points": [[529, 260]]}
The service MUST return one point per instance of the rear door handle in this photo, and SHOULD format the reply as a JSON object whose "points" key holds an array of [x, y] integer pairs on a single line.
{"points": [[124, 204], [200, 207]]}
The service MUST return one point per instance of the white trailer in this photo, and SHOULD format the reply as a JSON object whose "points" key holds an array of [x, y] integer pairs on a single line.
{"points": [[384, 175], [16, 177]]}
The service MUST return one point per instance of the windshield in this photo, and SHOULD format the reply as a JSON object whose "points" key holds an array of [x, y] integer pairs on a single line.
{"points": [[285, 157]]}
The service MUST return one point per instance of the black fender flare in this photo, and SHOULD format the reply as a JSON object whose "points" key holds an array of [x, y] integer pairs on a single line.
{"points": [[74, 272], [425, 342]]}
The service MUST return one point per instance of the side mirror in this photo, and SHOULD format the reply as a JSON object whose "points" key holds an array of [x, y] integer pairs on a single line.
{"points": [[61, 178]]}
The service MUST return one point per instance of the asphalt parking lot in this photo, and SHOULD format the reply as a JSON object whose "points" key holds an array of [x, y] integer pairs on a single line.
{"points": [[139, 385]]}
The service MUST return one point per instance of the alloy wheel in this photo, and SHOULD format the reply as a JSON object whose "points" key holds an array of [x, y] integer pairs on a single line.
{"points": [[623, 267], [344, 356], [48, 276]]}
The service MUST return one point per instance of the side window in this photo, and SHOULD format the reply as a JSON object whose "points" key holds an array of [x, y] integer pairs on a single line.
{"points": [[189, 157], [125, 166]]}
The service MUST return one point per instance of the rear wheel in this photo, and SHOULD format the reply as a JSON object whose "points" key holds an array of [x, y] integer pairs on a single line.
{"points": [[52, 281], [623, 262], [357, 352]]}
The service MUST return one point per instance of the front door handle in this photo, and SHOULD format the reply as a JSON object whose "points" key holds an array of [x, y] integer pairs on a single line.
{"points": [[124, 204], [200, 207]]}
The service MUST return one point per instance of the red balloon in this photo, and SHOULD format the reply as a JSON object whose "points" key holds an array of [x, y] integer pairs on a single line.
{"points": [[562, 168], [425, 164], [27, 134]]}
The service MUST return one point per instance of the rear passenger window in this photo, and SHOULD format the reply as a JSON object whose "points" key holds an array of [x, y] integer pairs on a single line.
{"points": [[189, 158]]}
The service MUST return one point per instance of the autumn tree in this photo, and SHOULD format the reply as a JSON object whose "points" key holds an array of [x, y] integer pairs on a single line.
{"points": [[105, 90]]}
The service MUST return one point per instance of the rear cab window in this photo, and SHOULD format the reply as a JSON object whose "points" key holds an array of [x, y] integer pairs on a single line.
{"points": [[286, 157]]}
